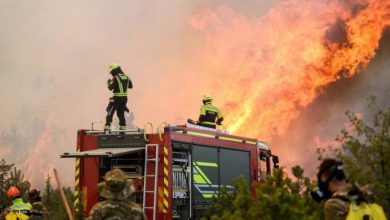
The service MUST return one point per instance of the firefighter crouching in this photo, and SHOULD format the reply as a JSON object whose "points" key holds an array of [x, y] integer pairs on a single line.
{"points": [[116, 189], [119, 84], [209, 113]]}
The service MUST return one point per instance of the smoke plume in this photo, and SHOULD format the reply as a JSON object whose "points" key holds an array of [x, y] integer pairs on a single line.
{"points": [[281, 71]]}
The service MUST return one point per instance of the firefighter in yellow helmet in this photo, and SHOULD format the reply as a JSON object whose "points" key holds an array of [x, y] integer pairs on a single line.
{"points": [[209, 113], [119, 84]]}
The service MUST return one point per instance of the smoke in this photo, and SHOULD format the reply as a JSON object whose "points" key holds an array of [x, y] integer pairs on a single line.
{"points": [[53, 69], [55, 55]]}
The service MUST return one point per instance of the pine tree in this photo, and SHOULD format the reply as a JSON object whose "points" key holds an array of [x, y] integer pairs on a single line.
{"points": [[53, 202], [11, 177], [4, 183]]}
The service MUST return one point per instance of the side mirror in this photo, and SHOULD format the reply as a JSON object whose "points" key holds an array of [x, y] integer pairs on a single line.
{"points": [[275, 160]]}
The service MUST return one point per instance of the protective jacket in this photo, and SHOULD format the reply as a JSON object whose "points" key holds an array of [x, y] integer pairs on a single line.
{"points": [[19, 210], [338, 206], [20, 206], [208, 114], [119, 85]]}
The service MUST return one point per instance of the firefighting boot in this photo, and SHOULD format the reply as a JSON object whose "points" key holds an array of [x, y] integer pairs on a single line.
{"points": [[122, 128], [107, 129]]}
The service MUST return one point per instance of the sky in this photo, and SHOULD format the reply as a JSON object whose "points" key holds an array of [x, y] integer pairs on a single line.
{"points": [[55, 55]]}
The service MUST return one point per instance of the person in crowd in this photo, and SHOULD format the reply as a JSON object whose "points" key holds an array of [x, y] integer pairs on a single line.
{"points": [[116, 189], [341, 196]]}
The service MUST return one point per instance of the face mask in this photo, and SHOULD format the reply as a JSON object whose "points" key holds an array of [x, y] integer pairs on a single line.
{"points": [[322, 192]]}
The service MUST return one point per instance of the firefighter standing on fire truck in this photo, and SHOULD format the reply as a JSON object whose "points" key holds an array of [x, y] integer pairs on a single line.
{"points": [[209, 113], [118, 84]]}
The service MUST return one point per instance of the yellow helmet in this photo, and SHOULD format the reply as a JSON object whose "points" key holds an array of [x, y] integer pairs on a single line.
{"points": [[207, 97], [112, 67]]}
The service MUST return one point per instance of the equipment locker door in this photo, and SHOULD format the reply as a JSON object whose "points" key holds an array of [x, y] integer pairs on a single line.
{"points": [[205, 177], [232, 164], [213, 168]]}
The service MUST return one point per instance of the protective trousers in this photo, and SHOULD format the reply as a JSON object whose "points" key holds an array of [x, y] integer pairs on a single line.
{"points": [[118, 105]]}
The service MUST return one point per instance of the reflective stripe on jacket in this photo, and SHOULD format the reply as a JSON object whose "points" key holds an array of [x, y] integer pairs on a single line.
{"points": [[208, 114], [119, 85], [19, 205]]}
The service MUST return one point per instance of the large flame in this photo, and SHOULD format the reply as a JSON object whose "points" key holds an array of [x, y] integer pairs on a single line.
{"points": [[269, 68], [262, 70]]}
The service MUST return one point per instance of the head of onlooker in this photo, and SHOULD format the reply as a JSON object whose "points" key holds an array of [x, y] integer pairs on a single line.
{"points": [[34, 196], [13, 193], [331, 178]]}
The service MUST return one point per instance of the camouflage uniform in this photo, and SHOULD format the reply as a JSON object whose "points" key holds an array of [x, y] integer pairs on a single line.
{"points": [[117, 189], [337, 207], [38, 211], [118, 210]]}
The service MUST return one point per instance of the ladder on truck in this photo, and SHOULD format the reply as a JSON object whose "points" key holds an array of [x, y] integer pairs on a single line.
{"points": [[154, 177]]}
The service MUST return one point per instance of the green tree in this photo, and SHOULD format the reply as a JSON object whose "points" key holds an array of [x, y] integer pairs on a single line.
{"points": [[53, 202], [365, 149], [51, 198], [279, 198], [4, 183], [11, 177], [15, 176]]}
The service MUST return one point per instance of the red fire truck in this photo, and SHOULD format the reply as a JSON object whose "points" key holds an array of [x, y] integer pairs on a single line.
{"points": [[176, 170]]}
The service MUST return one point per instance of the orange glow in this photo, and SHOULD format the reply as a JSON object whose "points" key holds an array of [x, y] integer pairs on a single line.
{"points": [[268, 69], [42, 158]]}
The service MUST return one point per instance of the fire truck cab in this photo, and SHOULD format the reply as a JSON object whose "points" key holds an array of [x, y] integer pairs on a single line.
{"points": [[176, 171]]}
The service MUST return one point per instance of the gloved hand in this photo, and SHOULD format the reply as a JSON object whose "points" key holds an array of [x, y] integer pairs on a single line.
{"points": [[127, 110], [219, 123], [191, 121], [109, 81]]}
